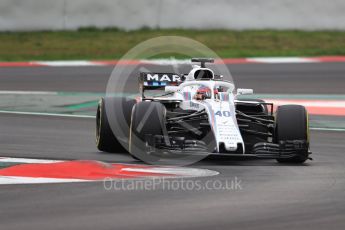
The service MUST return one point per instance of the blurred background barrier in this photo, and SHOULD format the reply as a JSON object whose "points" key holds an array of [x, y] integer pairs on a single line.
{"points": [[29, 15]]}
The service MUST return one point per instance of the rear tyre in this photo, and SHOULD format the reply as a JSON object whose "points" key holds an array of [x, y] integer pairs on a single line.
{"points": [[292, 124], [105, 138], [148, 119]]}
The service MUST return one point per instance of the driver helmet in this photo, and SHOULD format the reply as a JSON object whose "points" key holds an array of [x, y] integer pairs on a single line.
{"points": [[204, 92]]}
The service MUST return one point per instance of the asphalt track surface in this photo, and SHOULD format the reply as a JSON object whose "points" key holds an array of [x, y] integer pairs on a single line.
{"points": [[271, 196]]}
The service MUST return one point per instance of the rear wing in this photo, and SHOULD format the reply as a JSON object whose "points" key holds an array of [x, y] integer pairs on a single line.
{"points": [[158, 81]]}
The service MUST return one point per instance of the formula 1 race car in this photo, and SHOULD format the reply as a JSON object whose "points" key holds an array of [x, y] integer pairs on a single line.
{"points": [[201, 112]]}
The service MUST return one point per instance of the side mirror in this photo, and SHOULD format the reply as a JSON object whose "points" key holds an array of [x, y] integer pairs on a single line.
{"points": [[244, 91], [171, 89]]}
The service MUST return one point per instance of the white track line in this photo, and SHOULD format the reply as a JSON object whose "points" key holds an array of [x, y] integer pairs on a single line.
{"points": [[277, 60], [46, 114], [28, 92], [67, 63], [181, 172], [167, 61], [328, 129], [37, 180], [309, 103], [27, 160]]}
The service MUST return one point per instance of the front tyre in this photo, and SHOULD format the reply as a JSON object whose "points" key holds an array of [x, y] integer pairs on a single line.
{"points": [[292, 124], [148, 120], [105, 138]]}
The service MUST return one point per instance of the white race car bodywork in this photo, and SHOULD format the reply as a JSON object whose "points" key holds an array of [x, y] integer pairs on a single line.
{"points": [[220, 109]]}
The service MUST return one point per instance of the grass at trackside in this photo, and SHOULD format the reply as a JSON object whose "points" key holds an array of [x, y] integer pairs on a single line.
{"points": [[93, 44]]}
